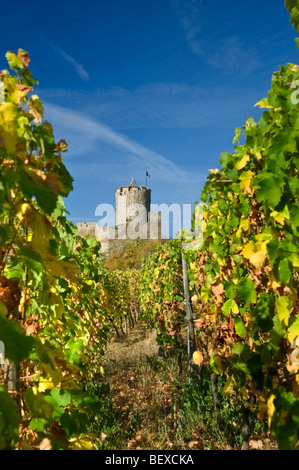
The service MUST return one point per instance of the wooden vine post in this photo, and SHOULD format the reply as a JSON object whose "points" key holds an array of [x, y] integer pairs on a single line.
{"points": [[191, 345]]}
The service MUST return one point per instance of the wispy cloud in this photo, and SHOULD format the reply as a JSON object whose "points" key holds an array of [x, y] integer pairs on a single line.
{"points": [[84, 133], [188, 12], [231, 55], [77, 66], [159, 105]]}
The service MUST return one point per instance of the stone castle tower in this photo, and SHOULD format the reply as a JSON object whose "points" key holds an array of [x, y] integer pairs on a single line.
{"points": [[133, 219], [127, 198]]}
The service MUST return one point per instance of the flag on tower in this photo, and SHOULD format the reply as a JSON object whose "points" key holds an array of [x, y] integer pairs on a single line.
{"points": [[147, 175]]}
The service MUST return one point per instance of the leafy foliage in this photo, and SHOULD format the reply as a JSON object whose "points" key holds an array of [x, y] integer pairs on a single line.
{"points": [[162, 297], [131, 255], [57, 300], [246, 274]]}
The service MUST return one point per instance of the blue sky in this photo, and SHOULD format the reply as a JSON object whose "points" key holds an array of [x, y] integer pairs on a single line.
{"points": [[156, 85]]}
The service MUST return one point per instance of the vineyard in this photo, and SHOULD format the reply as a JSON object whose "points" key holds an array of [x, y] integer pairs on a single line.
{"points": [[62, 304]]}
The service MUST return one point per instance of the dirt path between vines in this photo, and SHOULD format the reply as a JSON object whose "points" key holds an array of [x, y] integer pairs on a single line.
{"points": [[147, 398], [143, 395]]}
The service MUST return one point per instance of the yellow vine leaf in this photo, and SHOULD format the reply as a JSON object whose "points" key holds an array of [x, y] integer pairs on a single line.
{"points": [[14, 60], [38, 176], [82, 443], [280, 217], [56, 306], [61, 268], [264, 237], [8, 126], [197, 357], [36, 109], [156, 272], [243, 162], [295, 261], [273, 283], [283, 310], [258, 259], [41, 233], [228, 384], [39, 225], [195, 301], [293, 331], [245, 181], [270, 409], [235, 308], [256, 253], [43, 385], [216, 364], [193, 266], [293, 366], [21, 209], [19, 93], [244, 226], [264, 103], [205, 294], [294, 67]]}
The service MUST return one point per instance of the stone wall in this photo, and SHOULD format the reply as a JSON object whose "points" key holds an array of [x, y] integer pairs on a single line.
{"points": [[87, 228], [114, 238], [154, 226]]}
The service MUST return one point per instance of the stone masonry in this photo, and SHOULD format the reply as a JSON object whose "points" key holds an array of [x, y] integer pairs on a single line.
{"points": [[133, 219]]}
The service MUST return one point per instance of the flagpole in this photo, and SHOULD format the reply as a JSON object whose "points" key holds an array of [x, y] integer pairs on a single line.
{"points": [[146, 179]]}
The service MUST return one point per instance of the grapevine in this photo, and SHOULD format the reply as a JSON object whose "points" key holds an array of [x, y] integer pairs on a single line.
{"points": [[57, 300]]}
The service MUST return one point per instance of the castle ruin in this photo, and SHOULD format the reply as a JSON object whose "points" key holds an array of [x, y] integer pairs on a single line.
{"points": [[133, 219]]}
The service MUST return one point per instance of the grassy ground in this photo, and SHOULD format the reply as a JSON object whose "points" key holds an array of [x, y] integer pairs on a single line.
{"points": [[147, 406]]}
